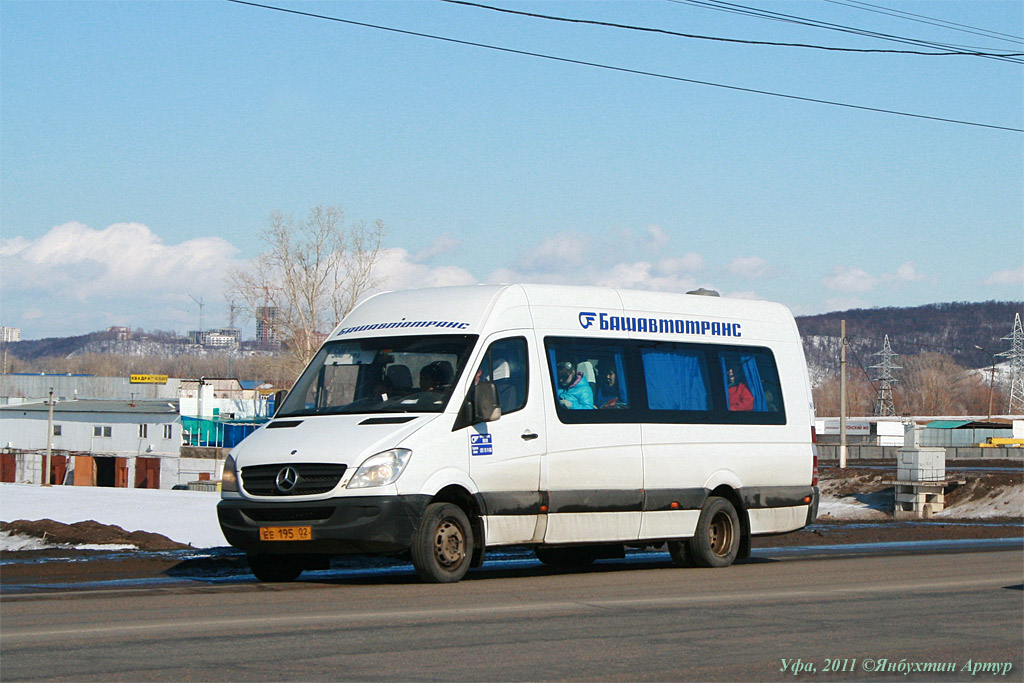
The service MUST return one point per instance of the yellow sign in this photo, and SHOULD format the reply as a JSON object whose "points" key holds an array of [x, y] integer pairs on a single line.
{"points": [[149, 379]]}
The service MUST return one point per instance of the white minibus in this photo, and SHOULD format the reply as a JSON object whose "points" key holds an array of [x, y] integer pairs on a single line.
{"points": [[435, 424]]}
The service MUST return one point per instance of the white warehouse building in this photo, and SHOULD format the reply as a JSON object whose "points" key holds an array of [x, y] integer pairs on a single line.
{"points": [[130, 444]]}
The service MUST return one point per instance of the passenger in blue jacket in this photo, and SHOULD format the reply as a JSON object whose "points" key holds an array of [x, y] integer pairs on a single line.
{"points": [[573, 391]]}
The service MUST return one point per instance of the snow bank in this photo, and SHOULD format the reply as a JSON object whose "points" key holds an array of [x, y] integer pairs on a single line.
{"points": [[191, 516], [182, 516], [1005, 502]]}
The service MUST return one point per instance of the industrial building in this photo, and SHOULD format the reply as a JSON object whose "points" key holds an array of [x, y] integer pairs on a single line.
{"points": [[98, 442]]}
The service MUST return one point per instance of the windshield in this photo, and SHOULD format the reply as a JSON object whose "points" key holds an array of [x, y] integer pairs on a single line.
{"points": [[380, 375]]}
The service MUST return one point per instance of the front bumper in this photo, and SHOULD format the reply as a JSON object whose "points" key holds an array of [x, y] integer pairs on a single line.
{"points": [[370, 525]]}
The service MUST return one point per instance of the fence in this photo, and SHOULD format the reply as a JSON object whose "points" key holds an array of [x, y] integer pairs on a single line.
{"points": [[199, 431]]}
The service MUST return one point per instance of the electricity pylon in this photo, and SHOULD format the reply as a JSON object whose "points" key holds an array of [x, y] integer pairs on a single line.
{"points": [[883, 403], [1016, 358]]}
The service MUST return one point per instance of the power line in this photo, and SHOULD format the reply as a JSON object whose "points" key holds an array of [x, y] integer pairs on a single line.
{"points": [[910, 16], [630, 27], [620, 69], [721, 6]]}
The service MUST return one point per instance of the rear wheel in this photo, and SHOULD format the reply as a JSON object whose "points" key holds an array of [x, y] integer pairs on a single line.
{"points": [[442, 547], [275, 568], [681, 553], [716, 542]]}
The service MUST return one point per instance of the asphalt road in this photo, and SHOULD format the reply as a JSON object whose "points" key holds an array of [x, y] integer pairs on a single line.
{"points": [[872, 616]]}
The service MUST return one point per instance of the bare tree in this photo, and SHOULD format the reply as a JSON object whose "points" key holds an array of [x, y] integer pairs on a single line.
{"points": [[310, 276], [936, 385]]}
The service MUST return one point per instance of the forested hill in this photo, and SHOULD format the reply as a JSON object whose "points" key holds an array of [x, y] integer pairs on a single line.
{"points": [[952, 329]]}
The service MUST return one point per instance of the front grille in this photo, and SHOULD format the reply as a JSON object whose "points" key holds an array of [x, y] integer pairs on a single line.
{"points": [[286, 514], [313, 478]]}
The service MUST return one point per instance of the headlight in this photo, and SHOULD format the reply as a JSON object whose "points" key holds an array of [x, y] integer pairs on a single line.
{"points": [[228, 478], [381, 469]]}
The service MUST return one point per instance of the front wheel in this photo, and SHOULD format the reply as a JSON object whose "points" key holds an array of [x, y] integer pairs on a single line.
{"points": [[442, 547], [275, 568], [716, 541]]}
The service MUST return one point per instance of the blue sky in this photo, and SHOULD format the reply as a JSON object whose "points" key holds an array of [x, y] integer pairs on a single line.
{"points": [[143, 147]]}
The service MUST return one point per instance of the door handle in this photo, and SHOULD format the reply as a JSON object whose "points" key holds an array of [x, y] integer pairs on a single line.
{"points": [[529, 436]]}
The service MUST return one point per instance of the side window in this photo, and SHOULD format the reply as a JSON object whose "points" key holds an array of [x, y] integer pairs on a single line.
{"points": [[505, 363], [587, 375], [676, 378], [751, 381]]}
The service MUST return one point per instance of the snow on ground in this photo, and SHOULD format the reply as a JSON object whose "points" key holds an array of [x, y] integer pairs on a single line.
{"points": [[182, 516], [1005, 502], [191, 516], [877, 506]]}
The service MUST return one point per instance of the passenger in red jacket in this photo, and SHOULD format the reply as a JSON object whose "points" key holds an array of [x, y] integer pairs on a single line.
{"points": [[740, 397]]}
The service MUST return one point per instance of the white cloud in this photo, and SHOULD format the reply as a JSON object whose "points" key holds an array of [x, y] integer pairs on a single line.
{"points": [[657, 236], [557, 253], [687, 263], [84, 279], [401, 271], [750, 267], [849, 280], [124, 259], [907, 272], [645, 275], [443, 244], [1012, 277]]}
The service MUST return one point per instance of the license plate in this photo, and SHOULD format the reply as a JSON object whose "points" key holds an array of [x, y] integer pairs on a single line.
{"points": [[286, 533]]}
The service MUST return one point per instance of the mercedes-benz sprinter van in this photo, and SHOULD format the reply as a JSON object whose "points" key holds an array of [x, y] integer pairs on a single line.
{"points": [[436, 423]]}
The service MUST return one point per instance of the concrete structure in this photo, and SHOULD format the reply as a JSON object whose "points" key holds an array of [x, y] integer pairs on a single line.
{"points": [[134, 444], [920, 478], [10, 334]]}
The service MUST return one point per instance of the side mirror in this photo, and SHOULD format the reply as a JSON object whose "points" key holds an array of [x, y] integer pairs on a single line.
{"points": [[485, 402], [279, 400]]}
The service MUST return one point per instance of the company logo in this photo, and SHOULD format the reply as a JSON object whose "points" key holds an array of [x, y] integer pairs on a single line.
{"points": [[674, 326], [404, 324], [286, 479]]}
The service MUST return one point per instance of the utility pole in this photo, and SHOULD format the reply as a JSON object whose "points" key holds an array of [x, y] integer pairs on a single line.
{"points": [[842, 395], [49, 439], [991, 378]]}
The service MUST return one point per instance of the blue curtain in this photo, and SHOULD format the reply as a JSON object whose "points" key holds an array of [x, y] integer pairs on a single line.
{"points": [[753, 379], [620, 374], [675, 381]]}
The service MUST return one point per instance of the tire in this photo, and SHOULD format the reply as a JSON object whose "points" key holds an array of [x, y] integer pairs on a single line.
{"points": [[274, 568], [681, 553], [716, 541], [565, 558], [442, 547]]}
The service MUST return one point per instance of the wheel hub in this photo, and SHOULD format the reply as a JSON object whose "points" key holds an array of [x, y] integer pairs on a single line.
{"points": [[449, 544]]}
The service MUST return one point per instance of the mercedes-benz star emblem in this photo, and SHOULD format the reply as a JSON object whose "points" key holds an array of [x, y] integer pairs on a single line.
{"points": [[286, 479]]}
